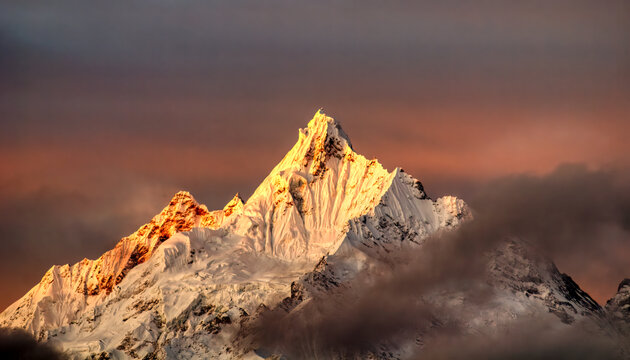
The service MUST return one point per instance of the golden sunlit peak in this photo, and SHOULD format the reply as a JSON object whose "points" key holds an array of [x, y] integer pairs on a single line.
{"points": [[182, 194], [323, 127], [236, 201], [319, 118], [182, 197], [234, 205]]}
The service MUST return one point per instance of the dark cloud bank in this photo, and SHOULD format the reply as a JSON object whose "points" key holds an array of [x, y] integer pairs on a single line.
{"points": [[18, 344], [575, 213]]}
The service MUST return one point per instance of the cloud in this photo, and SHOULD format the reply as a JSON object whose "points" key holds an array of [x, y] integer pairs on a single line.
{"points": [[535, 338], [562, 214], [18, 344], [578, 217]]}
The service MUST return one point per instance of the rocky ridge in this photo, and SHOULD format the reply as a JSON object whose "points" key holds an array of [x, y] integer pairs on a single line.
{"points": [[66, 290]]}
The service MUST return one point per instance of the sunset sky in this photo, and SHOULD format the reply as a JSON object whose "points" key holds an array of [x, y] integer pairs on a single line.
{"points": [[106, 110]]}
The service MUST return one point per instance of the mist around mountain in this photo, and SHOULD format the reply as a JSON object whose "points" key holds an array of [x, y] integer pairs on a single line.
{"points": [[334, 256]]}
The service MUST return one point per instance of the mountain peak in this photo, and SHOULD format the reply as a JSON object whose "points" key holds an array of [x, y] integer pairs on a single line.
{"points": [[323, 128], [182, 194], [234, 206], [322, 140], [181, 199]]}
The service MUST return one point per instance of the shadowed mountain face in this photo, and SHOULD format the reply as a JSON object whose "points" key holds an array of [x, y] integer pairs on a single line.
{"points": [[332, 256]]}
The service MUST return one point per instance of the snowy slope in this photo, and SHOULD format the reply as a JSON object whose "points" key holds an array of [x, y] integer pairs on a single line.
{"points": [[184, 284], [65, 291]]}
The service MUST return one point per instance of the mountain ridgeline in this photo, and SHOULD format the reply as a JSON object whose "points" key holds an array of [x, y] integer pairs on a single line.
{"points": [[321, 228]]}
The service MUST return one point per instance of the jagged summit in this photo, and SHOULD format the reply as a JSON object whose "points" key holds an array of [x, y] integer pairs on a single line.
{"points": [[301, 211], [181, 201], [322, 140], [183, 195], [234, 206], [325, 127]]}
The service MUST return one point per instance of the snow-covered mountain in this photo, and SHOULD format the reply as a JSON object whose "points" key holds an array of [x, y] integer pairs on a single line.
{"points": [[618, 307], [184, 284], [65, 291]]}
